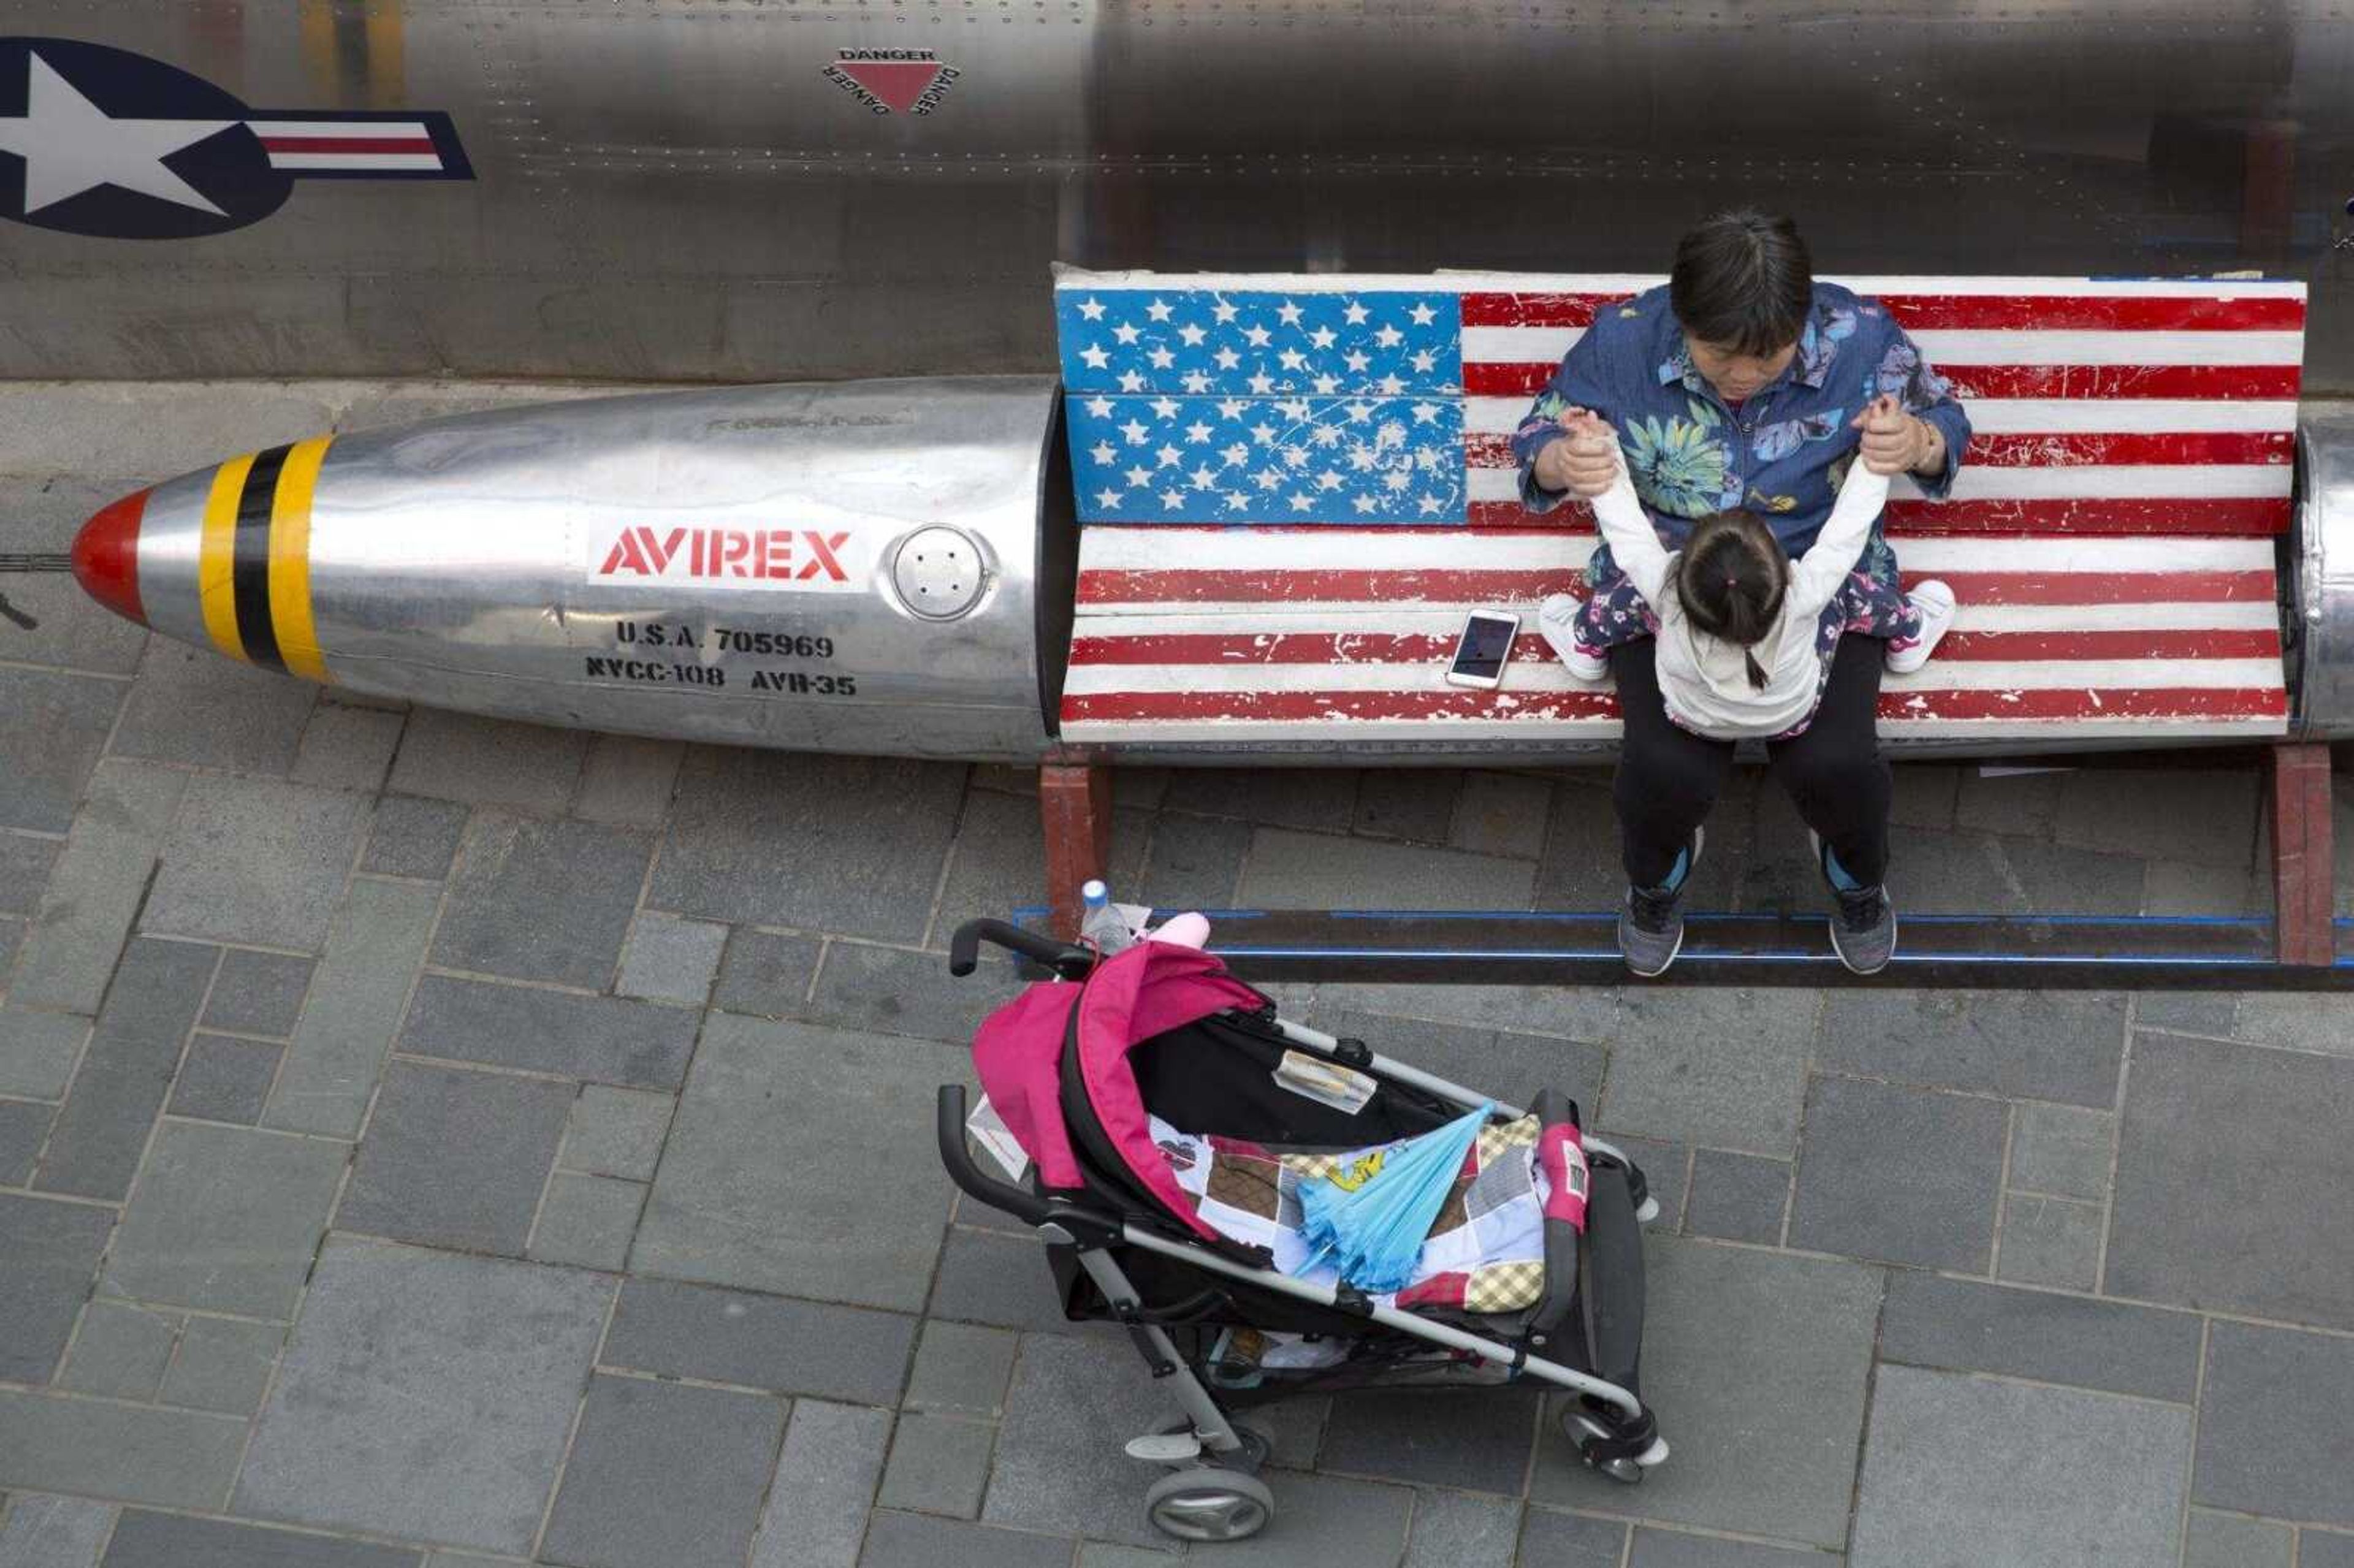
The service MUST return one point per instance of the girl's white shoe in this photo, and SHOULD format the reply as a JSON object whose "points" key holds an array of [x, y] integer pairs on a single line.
{"points": [[1558, 618], [1934, 601]]}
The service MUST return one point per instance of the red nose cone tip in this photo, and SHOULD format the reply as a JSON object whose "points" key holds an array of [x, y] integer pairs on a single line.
{"points": [[106, 558]]}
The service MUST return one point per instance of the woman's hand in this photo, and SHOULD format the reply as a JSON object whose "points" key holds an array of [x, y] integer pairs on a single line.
{"points": [[1585, 461], [1894, 441]]}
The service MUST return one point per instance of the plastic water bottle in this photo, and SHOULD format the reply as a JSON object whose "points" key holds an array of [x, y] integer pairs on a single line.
{"points": [[1100, 924]]}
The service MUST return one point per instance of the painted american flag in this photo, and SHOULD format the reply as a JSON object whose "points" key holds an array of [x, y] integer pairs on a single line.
{"points": [[2111, 537]]}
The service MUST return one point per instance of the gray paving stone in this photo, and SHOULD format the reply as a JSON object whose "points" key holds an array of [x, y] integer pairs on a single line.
{"points": [[1000, 859], [23, 1125], [627, 780], [918, 1541], [961, 1369], [1965, 1326], [995, 1279], [145, 1540], [119, 1351], [1662, 1165], [1193, 862], [1454, 1530], [2172, 889], [1730, 1332], [1282, 797], [469, 1559], [1898, 1174], [52, 727], [1288, 869], [2297, 1021], [94, 895], [356, 1003], [455, 1158], [2051, 1241], [1501, 814], [225, 1080], [2172, 813], [258, 993], [52, 1251], [2026, 1045], [890, 991], [1413, 803], [488, 762], [1670, 1549], [425, 1396], [101, 1133], [2209, 1133], [173, 1458], [939, 1464], [825, 1479], [1582, 868], [25, 866], [2188, 1011], [1060, 1467], [414, 838], [598, 1039], [223, 1365], [226, 1219], [541, 901], [2324, 1549], [1512, 1068], [1550, 1539], [766, 973], [55, 1532], [772, 839], [587, 1221], [37, 1050], [670, 960], [663, 1476], [252, 860], [616, 1132], [79, 428], [76, 633], [191, 705], [2037, 1476], [1979, 874], [2060, 1150], [347, 747], [1725, 1069], [762, 1341], [2021, 805], [1321, 1518], [787, 1168], [1737, 1197], [1294, 1429], [1469, 1440], [2269, 1394], [12, 937], [1096, 1555], [1926, 793], [2227, 1541]]}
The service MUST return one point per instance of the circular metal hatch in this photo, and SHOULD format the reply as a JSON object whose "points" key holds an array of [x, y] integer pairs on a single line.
{"points": [[939, 572]]}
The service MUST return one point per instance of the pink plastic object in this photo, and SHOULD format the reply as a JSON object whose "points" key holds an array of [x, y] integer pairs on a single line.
{"points": [[1186, 931]]}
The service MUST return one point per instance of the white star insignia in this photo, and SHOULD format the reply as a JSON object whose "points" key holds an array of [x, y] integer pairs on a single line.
{"points": [[1391, 386], [1423, 314], [1172, 498], [1397, 479], [1295, 457], [1139, 476], [1429, 505], [1224, 311], [1424, 413], [1228, 359], [71, 146], [1125, 332], [1425, 360], [1357, 361], [1356, 314], [1266, 479], [1389, 337], [1292, 409], [1192, 335], [1231, 408], [1158, 310], [1196, 383], [1262, 432], [1091, 308], [1162, 358], [1167, 456], [1328, 480], [1301, 502], [1236, 499], [1197, 432], [1290, 313], [1166, 407], [1328, 436], [1364, 504], [1262, 384], [1096, 358], [1360, 411], [1099, 407], [1323, 337], [1204, 477], [1237, 454], [1292, 359], [1108, 497], [1258, 336], [1132, 381], [1103, 452], [1135, 433], [1326, 386]]}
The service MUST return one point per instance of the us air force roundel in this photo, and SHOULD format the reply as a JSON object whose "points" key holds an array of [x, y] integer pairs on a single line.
{"points": [[102, 142]]}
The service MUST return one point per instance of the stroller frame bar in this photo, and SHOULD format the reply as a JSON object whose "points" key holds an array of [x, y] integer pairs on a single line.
{"points": [[1387, 1317]]}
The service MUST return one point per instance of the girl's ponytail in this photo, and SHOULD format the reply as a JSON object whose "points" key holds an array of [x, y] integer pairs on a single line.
{"points": [[1756, 671], [1731, 582]]}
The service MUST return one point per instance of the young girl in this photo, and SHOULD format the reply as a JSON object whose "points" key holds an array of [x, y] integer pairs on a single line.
{"points": [[1745, 634]]}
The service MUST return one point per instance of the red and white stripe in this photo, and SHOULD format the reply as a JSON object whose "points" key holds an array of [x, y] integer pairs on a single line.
{"points": [[345, 146], [2110, 538]]}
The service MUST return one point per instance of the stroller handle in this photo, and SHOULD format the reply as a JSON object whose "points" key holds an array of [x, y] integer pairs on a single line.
{"points": [[1022, 1203], [1070, 961]]}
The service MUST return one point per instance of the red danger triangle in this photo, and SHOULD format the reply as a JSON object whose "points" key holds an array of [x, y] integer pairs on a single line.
{"points": [[897, 82]]}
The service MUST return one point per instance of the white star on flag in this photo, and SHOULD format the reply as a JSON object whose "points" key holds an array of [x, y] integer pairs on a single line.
{"points": [[1158, 310], [1096, 357], [1103, 452], [1127, 334], [1166, 407], [1091, 308]]}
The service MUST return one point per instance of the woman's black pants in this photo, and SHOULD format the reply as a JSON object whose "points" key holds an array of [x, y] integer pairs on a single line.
{"points": [[1668, 778]]}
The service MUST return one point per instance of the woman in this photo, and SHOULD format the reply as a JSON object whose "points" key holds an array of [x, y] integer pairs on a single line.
{"points": [[1743, 385]]}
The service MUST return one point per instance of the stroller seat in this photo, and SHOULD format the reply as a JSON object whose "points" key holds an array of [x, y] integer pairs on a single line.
{"points": [[1485, 1252]]}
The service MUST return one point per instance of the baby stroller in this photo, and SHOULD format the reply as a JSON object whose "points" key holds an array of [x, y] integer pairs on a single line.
{"points": [[1160, 1102]]}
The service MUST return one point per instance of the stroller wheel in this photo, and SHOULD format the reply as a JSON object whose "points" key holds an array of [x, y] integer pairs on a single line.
{"points": [[1209, 1504], [1587, 1432]]}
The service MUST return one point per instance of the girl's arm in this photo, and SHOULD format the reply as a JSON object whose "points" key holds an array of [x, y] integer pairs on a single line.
{"points": [[1634, 543], [1818, 574]]}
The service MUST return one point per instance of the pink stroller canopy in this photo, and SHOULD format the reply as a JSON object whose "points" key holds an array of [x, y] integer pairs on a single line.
{"points": [[1149, 989]]}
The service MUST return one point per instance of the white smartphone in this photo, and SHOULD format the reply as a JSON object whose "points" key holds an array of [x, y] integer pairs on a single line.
{"points": [[1485, 646]]}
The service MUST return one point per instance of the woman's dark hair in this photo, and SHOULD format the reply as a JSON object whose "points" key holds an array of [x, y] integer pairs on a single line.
{"points": [[1731, 578], [1743, 280]]}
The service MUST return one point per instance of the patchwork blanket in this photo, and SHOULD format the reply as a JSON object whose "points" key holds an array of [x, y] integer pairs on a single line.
{"points": [[1485, 1252]]}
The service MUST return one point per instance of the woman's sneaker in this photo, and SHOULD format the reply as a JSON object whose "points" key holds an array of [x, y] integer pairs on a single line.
{"points": [[1863, 931], [1652, 923], [1557, 620], [1934, 601]]}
